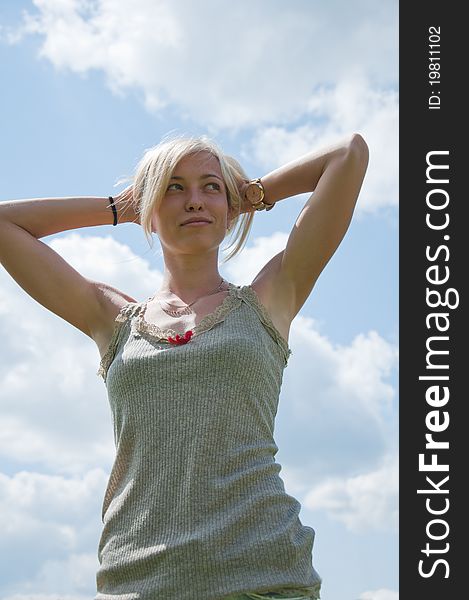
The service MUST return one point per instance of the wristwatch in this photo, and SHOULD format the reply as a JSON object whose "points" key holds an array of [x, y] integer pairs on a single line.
{"points": [[255, 194]]}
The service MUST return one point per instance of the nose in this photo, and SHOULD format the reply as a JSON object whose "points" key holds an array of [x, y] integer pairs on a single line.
{"points": [[194, 200]]}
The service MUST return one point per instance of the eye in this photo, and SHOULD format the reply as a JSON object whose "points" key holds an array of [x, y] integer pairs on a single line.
{"points": [[174, 186], [212, 185]]}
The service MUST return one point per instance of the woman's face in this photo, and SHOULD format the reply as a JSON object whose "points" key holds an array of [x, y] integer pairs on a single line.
{"points": [[196, 190]]}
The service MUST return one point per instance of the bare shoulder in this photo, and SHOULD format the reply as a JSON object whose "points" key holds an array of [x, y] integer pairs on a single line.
{"points": [[276, 295], [110, 300]]}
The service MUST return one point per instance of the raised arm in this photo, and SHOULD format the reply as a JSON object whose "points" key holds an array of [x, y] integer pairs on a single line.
{"points": [[335, 177], [43, 273]]}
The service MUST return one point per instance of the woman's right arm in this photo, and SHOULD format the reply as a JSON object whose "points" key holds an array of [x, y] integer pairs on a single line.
{"points": [[44, 274]]}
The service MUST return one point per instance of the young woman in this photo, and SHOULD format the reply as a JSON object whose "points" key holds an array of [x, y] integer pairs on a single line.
{"points": [[195, 507]]}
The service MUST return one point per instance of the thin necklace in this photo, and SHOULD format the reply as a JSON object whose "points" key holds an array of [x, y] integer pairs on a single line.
{"points": [[186, 310]]}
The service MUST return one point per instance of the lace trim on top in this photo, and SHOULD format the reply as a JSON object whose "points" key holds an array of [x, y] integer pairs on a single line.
{"points": [[127, 311], [232, 299], [216, 316], [249, 293]]}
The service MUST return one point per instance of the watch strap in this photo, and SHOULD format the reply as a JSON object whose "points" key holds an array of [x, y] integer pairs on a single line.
{"points": [[262, 204]]}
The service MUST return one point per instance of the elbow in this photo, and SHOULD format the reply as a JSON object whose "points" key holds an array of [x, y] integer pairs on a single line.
{"points": [[358, 150]]}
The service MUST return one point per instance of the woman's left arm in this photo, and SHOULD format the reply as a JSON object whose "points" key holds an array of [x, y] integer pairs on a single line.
{"points": [[335, 177]]}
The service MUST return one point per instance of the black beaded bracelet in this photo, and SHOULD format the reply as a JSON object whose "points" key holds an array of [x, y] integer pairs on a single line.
{"points": [[113, 209]]}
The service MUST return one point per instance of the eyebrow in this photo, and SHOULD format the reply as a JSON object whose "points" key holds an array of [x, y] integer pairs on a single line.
{"points": [[206, 176]]}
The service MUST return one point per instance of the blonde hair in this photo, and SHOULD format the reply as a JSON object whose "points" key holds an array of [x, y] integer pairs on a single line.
{"points": [[156, 167]]}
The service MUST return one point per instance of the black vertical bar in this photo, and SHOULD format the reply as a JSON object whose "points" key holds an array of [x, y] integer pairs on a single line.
{"points": [[434, 259]]}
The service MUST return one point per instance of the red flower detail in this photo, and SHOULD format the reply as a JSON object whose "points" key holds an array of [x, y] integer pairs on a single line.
{"points": [[180, 339]]}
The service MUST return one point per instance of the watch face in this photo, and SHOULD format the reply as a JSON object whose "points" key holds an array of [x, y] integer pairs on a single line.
{"points": [[253, 193]]}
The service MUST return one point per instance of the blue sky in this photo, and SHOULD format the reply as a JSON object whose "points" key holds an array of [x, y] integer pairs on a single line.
{"points": [[87, 87]]}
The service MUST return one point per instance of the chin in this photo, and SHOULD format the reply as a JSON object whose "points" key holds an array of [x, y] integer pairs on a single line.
{"points": [[195, 246]]}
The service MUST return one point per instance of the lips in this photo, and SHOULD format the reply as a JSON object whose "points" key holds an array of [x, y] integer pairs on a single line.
{"points": [[195, 220]]}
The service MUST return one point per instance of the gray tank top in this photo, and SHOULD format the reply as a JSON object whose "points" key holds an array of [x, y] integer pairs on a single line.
{"points": [[195, 507]]}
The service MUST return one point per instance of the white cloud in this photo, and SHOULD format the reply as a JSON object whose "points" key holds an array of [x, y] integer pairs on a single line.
{"points": [[364, 366], [335, 112], [105, 259], [61, 517], [212, 65], [245, 266], [362, 502], [55, 410], [65, 498], [219, 63], [381, 594], [335, 417], [76, 573], [337, 411], [28, 596], [199, 60]]}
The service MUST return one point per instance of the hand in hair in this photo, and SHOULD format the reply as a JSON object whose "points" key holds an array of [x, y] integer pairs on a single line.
{"points": [[127, 206], [246, 206]]}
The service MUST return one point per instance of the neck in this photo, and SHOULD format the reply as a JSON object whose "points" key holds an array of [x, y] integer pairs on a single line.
{"points": [[189, 276]]}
